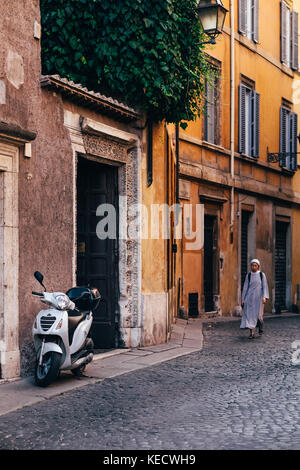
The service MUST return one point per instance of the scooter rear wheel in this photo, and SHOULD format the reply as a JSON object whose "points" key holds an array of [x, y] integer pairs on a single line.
{"points": [[48, 371]]}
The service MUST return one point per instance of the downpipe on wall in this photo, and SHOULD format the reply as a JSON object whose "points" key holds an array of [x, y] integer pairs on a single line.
{"points": [[232, 114]]}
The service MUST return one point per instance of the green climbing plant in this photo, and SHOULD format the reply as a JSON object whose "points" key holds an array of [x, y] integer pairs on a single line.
{"points": [[145, 53]]}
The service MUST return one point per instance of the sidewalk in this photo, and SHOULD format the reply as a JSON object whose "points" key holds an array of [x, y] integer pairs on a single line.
{"points": [[186, 338]]}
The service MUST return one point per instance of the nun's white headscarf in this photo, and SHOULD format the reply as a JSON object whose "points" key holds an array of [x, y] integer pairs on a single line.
{"points": [[255, 261]]}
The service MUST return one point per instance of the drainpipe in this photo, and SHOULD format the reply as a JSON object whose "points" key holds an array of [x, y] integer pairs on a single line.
{"points": [[177, 161], [232, 111], [177, 199]]}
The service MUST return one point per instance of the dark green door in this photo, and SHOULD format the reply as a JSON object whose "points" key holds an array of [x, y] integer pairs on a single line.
{"points": [[210, 262], [97, 260], [280, 264]]}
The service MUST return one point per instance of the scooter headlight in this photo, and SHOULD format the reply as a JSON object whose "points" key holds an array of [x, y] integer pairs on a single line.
{"points": [[62, 301]]}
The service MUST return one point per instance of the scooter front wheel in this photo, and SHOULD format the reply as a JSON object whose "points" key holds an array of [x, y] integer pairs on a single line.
{"points": [[47, 372]]}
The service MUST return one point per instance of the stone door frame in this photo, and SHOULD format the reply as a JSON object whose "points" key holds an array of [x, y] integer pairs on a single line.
{"points": [[9, 265], [112, 146]]}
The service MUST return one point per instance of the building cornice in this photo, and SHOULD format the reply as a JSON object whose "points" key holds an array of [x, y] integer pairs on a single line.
{"points": [[226, 152], [16, 134], [75, 92], [201, 173]]}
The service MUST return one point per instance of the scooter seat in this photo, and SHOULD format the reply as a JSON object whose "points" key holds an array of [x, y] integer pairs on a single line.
{"points": [[74, 322]]}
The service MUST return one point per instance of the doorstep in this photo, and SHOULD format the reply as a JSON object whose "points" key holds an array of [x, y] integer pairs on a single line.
{"points": [[111, 353]]}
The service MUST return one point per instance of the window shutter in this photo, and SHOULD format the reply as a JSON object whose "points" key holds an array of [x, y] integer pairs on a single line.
{"points": [[283, 45], [243, 16], [242, 118], [206, 112], [294, 40], [254, 122], [256, 20], [283, 135], [294, 133], [256, 114], [210, 113]]}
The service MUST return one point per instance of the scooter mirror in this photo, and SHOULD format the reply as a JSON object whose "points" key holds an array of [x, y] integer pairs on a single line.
{"points": [[39, 277]]}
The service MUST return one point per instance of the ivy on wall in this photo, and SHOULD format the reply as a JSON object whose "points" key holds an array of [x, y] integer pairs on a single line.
{"points": [[143, 52]]}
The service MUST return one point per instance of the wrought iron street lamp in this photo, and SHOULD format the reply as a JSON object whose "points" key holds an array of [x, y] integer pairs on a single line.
{"points": [[211, 15]]}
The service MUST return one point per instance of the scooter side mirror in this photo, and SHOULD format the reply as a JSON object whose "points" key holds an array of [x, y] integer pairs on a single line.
{"points": [[39, 277]]}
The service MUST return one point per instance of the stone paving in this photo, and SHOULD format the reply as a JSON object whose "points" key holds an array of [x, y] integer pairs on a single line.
{"points": [[234, 394]]}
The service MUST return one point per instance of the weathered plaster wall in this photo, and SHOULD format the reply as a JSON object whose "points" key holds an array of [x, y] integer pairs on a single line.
{"points": [[45, 179], [154, 251]]}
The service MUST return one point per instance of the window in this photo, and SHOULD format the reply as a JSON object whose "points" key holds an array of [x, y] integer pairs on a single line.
{"points": [[249, 122], [288, 139], [211, 112], [249, 19], [289, 36]]}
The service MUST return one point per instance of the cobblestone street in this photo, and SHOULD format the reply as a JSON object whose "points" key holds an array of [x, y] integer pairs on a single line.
{"points": [[235, 394]]}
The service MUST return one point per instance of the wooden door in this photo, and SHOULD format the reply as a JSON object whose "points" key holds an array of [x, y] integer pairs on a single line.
{"points": [[281, 264], [211, 262], [97, 260]]}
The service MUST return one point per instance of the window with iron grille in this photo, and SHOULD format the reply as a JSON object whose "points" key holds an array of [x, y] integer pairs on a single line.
{"points": [[288, 139]]}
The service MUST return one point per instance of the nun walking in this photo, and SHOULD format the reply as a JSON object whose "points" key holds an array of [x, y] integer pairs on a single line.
{"points": [[254, 296]]}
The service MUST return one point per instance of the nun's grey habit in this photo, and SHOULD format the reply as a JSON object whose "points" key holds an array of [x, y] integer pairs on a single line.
{"points": [[253, 295]]}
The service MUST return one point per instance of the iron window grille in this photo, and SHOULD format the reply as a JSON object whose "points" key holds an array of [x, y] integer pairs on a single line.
{"points": [[287, 155]]}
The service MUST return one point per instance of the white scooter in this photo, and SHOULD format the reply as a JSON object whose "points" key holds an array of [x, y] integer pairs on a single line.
{"points": [[60, 333]]}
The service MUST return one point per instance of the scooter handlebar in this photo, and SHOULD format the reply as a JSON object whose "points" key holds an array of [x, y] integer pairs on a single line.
{"points": [[37, 293]]}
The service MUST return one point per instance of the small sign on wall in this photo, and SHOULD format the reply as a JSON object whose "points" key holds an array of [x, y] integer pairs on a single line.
{"points": [[184, 189]]}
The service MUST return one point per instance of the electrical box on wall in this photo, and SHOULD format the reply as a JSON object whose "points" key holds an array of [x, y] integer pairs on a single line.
{"points": [[28, 150], [37, 30]]}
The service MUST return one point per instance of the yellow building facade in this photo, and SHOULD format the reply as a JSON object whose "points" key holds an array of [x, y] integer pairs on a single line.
{"points": [[296, 186], [239, 163], [233, 172]]}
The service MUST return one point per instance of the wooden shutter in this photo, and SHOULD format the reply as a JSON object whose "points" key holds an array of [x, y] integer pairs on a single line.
{"points": [[243, 16], [294, 36], [242, 118], [293, 141], [210, 131], [283, 135], [255, 33], [283, 45], [256, 123]]}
